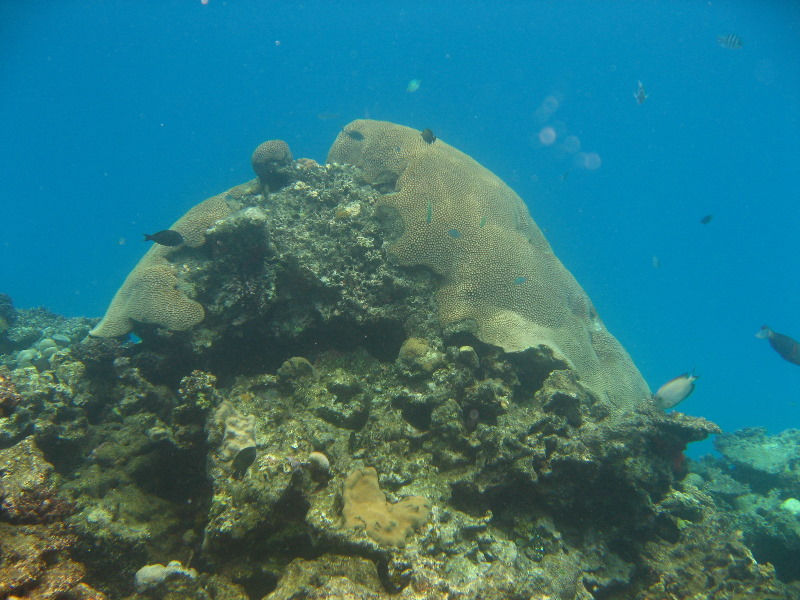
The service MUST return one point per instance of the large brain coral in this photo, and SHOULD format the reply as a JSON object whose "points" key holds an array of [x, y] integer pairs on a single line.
{"points": [[500, 276], [150, 293]]}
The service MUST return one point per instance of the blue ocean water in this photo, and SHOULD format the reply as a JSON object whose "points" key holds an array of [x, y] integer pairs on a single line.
{"points": [[116, 117]]}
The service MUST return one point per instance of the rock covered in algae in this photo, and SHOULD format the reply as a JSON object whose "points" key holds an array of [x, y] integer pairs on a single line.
{"points": [[35, 560], [27, 486], [756, 480], [500, 276], [237, 449]]}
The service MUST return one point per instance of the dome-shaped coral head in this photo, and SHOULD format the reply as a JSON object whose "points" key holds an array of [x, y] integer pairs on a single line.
{"points": [[271, 162]]}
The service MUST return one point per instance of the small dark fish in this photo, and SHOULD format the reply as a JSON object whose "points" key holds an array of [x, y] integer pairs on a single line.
{"points": [[788, 348], [730, 41], [640, 94], [243, 460], [167, 237], [355, 135], [428, 136], [706, 220]]}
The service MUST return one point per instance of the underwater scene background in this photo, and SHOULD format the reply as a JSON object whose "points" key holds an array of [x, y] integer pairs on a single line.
{"points": [[118, 116], [655, 144]]}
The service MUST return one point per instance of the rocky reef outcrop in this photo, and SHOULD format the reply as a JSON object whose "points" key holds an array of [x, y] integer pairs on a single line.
{"points": [[219, 456], [756, 482]]}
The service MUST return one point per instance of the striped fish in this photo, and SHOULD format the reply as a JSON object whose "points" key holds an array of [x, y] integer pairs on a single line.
{"points": [[731, 41]]}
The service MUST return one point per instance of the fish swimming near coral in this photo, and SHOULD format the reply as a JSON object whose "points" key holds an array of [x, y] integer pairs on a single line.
{"points": [[166, 237], [640, 94], [413, 85], [788, 348], [428, 136], [355, 135], [675, 391], [730, 41]]}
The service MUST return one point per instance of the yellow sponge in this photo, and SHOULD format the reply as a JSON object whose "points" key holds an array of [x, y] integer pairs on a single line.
{"points": [[365, 507]]}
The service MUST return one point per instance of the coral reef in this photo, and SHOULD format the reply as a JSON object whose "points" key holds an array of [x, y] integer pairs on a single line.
{"points": [[237, 448], [272, 162], [35, 561], [756, 481], [32, 337], [321, 387], [500, 277], [150, 294]]}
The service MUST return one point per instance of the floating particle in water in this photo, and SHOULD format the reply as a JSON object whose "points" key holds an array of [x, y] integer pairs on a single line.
{"points": [[413, 85], [730, 41], [546, 109], [706, 220], [547, 136], [640, 94], [656, 262], [592, 161], [572, 144]]}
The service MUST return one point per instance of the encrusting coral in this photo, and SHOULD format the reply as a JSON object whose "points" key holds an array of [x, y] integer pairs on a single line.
{"points": [[365, 507], [500, 276]]}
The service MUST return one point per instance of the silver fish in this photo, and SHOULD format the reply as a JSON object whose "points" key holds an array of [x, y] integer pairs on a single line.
{"points": [[730, 41], [675, 391], [640, 94]]}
